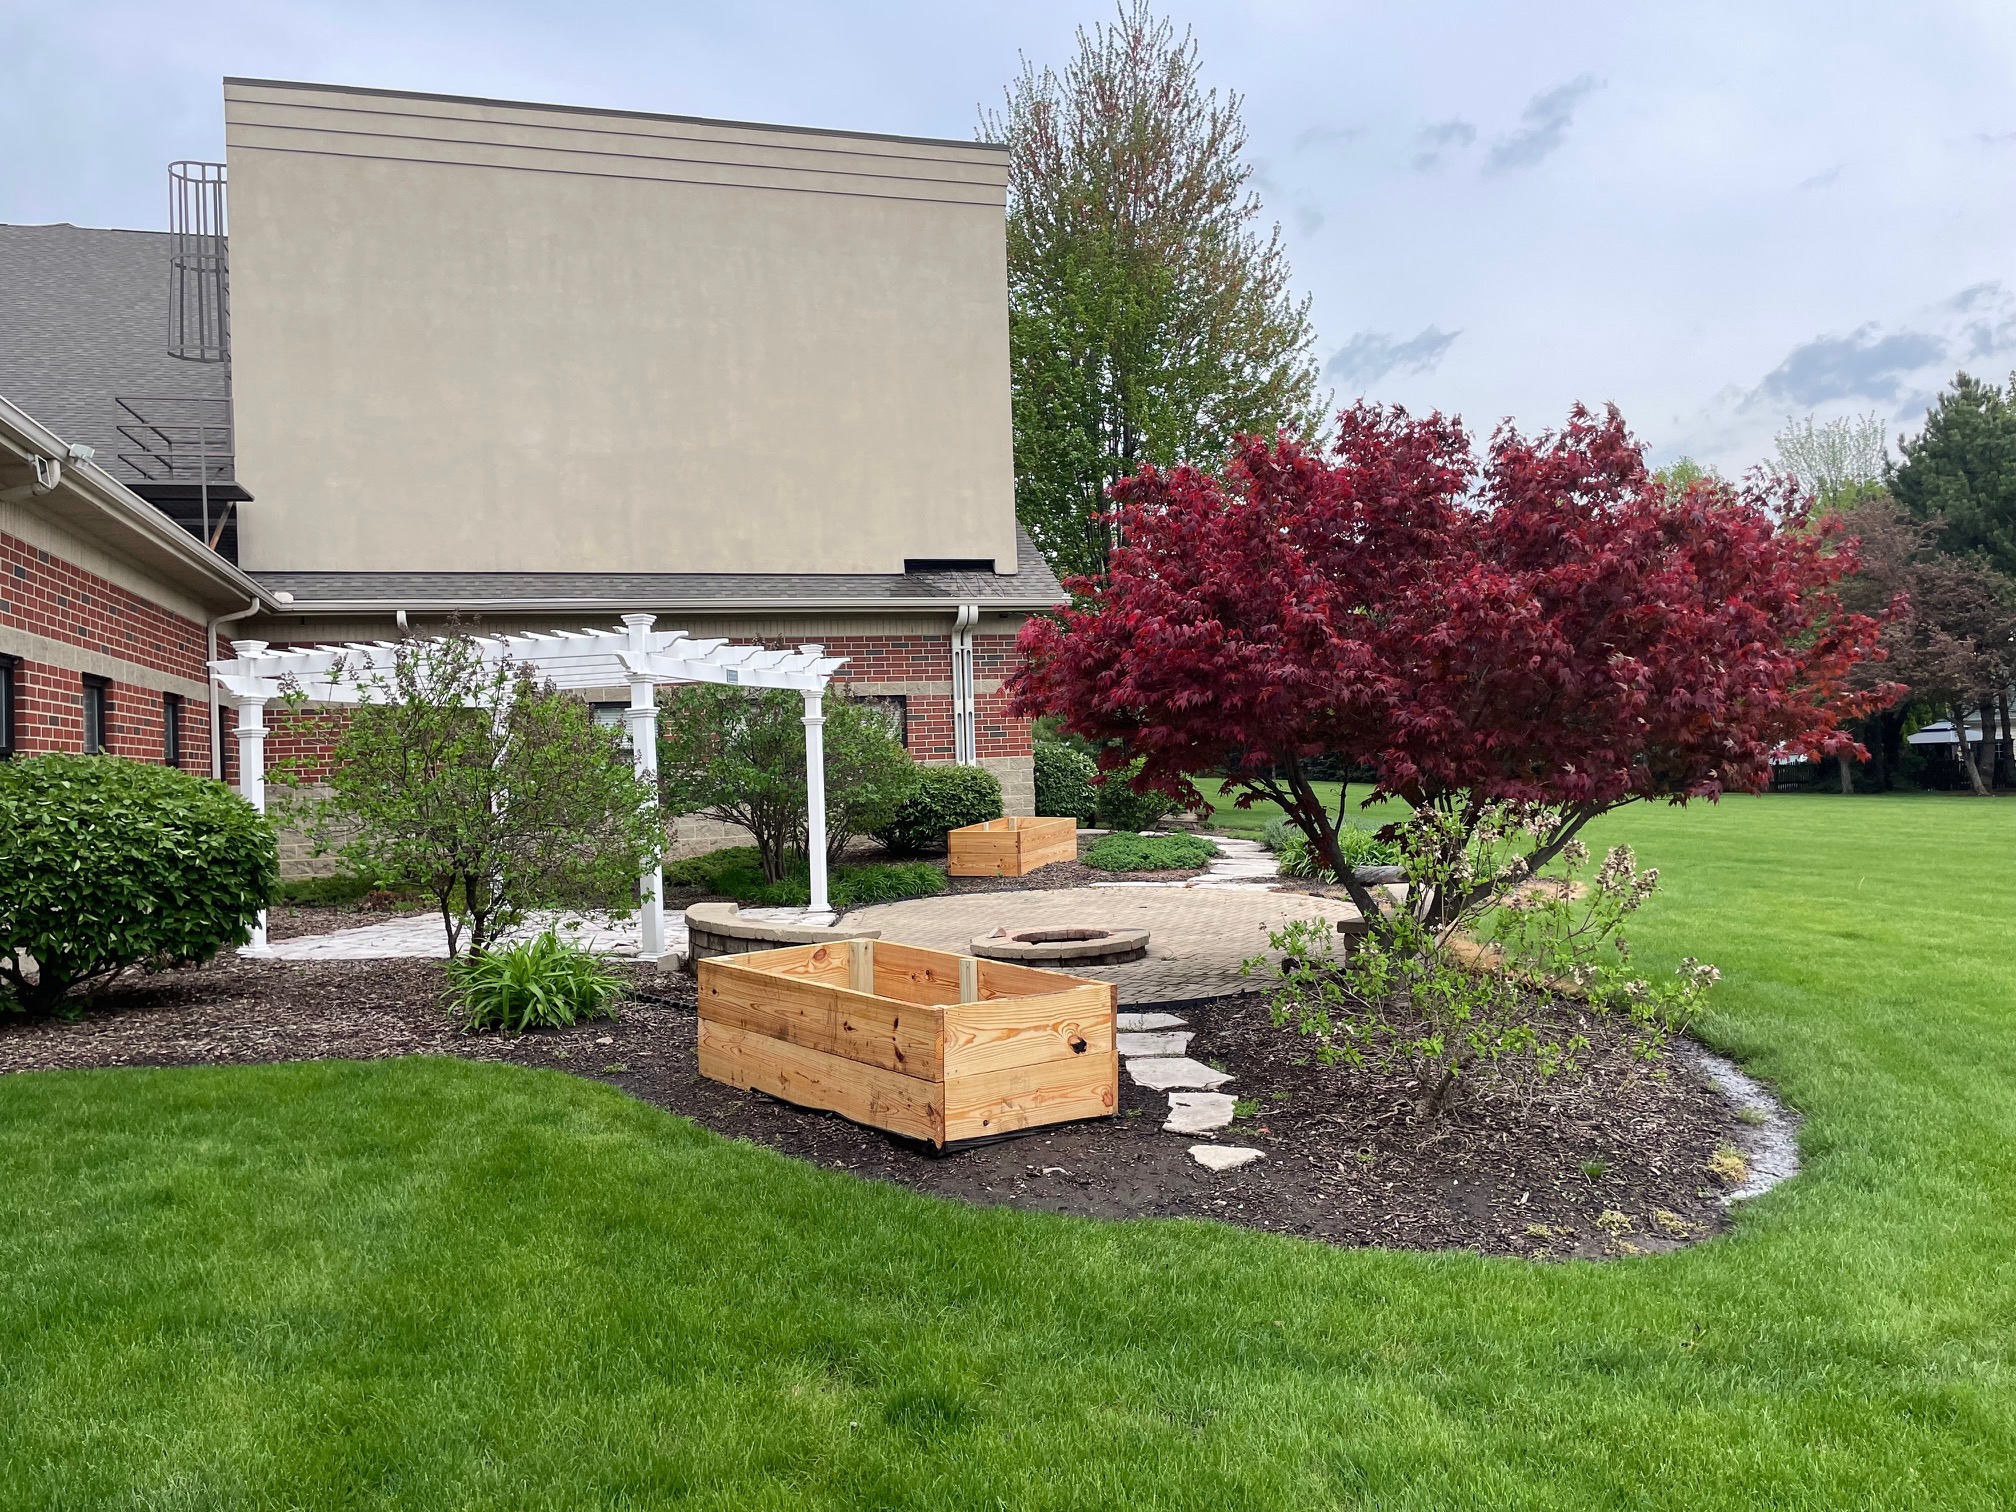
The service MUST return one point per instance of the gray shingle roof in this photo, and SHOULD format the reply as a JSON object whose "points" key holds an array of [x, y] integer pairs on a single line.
{"points": [[84, 321], [1031, 586]]}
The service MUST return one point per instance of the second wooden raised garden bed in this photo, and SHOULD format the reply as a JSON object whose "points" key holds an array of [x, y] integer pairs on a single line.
{"points": [[1010, 847], [924, 1043]]}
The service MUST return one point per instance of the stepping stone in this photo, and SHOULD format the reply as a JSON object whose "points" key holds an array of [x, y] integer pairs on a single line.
{"points": [[1225, 1157], [1165, 1073], [1199, 1112], [1138, 1021], [1155, 1044]]}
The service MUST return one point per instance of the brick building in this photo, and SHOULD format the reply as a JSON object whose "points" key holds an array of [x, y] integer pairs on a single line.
{"points": [[525, 366], [106, 609]]}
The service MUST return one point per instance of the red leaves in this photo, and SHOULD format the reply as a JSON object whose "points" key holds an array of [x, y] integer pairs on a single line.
{"points": [[1550, 625]]}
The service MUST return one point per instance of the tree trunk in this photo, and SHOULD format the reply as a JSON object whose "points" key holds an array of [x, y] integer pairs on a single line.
{"points": [[2001, 763], [1847, 776], [1959, 717]]}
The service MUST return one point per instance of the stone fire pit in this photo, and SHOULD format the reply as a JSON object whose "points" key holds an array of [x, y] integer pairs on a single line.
{"points": [[1083, 946]]}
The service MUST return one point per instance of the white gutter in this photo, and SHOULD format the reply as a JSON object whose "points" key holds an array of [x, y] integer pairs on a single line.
{"points": [[216, 699], [807, 605], [965, 743]]}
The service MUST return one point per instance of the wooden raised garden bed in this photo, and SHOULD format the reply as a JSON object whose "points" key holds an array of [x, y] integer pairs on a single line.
{"points": [[1010, 847], [923, 1043]]}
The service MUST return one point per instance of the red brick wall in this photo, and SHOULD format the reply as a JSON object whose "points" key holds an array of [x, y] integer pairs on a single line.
{"points": [[47, 596]]}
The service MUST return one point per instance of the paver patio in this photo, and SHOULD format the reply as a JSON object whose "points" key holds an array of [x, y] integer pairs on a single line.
{"points": [[1197, 936]]}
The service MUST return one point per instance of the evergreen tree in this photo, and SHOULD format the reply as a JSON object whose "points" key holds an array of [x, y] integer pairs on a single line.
{"points": [[1960, 471], [1150, 321]]}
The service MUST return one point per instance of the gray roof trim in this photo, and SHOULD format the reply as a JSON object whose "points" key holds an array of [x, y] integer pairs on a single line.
{"points": [[1032, 587], [139, 523], [631, 115]]}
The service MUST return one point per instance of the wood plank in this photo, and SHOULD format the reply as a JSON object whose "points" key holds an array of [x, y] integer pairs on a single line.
{"points": [[855, 1026], [1021, 1097], [912, 974], [1013, 979], [1057, 1028], [883, 1099], [819, 962]]}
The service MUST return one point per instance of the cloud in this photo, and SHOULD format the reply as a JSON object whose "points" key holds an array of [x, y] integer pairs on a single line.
{"points": [[1308, 218], [1327, 136], [1996, 138], [1860, 365], [1439, 138], [1818, 181], [1546, 121], [1371, 355]]}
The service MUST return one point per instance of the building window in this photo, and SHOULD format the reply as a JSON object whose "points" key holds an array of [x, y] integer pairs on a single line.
{"points": [[97, 714], [7, 666], [171, 728], [894, 709], [613, 716]]}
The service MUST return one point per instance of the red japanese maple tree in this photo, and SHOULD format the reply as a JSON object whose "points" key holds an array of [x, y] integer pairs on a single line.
{"points": [[1549, 626]]}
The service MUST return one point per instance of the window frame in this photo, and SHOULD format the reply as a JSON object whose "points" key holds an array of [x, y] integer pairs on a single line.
{"points": [[97, 706], [9, 692], [171, 729]]}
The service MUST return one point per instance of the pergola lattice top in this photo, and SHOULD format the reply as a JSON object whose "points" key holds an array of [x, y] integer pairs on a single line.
{"points": [[636, 656]]}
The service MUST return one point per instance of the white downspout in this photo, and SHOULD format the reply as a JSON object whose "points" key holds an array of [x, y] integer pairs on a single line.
{"points": [[251, 734], [216, 708], [965, 744]]}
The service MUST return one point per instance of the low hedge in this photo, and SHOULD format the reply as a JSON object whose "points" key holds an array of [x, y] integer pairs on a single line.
{"points": [[1121, 808], [1064, 787], [737, 872], [947, 798], [1133, 853], [107, 864]]}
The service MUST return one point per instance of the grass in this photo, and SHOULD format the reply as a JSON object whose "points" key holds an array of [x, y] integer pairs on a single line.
{"points": [[436, 1284], [1247, 823]]}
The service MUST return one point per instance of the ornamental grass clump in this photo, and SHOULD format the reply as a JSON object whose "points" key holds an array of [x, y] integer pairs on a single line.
{"points": [[541, 983], [1427, 999], [108, 864]]}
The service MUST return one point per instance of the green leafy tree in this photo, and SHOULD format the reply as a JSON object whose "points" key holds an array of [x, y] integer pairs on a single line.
{"points": [[739, 757], [1149, 318], [1960, 470], [492, 791], [1836, 462]]}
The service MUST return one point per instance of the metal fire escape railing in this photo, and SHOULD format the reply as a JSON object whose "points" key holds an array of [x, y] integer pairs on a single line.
{"points": [[187, 439]]}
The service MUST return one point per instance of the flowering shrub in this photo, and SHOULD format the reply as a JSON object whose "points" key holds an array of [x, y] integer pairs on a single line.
{"points": [[1408, 1000]]}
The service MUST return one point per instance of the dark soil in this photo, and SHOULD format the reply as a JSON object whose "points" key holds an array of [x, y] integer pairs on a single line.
{"points": [[1612, 1163]]}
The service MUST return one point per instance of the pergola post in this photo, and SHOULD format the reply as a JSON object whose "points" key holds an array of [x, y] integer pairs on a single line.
{"points": [[815, 790], [642, 718], [251, 734]]}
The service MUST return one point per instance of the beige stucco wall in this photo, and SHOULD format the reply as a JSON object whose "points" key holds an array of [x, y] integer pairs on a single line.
{"points": [[482, 337]]}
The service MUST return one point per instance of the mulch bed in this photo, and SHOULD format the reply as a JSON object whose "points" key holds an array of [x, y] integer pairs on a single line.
{"points": [[1586, 1168]]}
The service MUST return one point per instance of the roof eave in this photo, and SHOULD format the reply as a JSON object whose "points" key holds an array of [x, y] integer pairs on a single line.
{"points": [[662, 605]]}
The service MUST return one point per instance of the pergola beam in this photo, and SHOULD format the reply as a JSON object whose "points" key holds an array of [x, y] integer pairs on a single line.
{"points": [[636, 657]]}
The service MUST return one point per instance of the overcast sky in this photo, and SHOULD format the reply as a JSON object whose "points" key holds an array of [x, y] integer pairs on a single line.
{"points": [[1717, 215]]}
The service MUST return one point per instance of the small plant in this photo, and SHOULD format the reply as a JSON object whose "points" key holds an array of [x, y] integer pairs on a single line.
{"points": [[945, 798], [1755, 1117], [1595, 1170], [1360, 848], [1245, 1107], [1614, 1223], [1134, 853], [107, 864], [1064, 788], [1728, 1166], [1669, 1222], [541, 983]]}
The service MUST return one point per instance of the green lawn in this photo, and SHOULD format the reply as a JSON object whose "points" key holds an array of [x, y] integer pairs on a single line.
{"points": [[442, 1285], [1248, 822]]}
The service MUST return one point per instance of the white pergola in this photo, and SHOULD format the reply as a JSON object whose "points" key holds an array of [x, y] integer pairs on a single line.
{"points": [[636, 656]]}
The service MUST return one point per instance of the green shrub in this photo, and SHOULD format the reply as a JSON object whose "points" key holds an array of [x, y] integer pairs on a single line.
{"points": [[1133, 853], [1291, 847], [541, 983], [946, 798], [1121, 808], [737, 872], [1064, 787], [107, 864]]}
